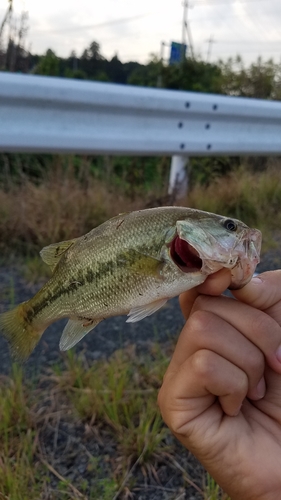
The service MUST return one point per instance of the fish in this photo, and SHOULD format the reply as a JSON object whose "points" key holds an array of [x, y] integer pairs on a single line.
{"points": [[130, 265]]}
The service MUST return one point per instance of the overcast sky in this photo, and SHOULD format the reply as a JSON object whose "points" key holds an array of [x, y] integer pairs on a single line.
{"points": [[134, 29]]}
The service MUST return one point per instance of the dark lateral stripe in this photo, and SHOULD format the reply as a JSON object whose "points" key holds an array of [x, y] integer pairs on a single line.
{"points": [[88, 276]]}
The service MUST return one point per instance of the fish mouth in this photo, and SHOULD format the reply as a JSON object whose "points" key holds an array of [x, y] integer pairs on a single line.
{"points": [[185, 256]]}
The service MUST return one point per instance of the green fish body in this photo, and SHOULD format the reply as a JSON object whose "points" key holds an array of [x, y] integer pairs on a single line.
{"points": [[131, 264]]}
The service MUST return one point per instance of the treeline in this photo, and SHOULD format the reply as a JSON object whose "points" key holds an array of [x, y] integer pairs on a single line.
{"points": [[261, 79]]}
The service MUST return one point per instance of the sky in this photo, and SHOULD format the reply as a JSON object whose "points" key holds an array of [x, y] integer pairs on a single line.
{"points": [[134, 30]]}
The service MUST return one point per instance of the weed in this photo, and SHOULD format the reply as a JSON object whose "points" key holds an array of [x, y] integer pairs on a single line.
{"points": [[120, 393], [18, 439], [212, 490]]}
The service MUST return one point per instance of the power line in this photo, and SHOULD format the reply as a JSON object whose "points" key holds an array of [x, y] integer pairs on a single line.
{"points": [[248, 41], [98, 25], [251, 51], [215, 18], [210, 3]]}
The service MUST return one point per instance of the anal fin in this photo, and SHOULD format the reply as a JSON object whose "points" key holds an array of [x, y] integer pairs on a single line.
{"points": [[140, 312], [74, 331]]}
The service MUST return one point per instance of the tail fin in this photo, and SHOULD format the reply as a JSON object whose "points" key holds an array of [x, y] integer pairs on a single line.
{"points": [[19, 332]]}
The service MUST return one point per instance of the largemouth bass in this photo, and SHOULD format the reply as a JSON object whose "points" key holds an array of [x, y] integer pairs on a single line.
{"points": [[131, 264]]}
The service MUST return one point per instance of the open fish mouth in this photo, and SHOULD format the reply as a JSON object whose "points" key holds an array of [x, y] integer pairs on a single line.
{"points": [[185, 256], [241, 257]]}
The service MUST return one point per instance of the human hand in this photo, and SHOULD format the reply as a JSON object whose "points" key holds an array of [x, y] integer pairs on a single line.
{"points": [[229, 355]]}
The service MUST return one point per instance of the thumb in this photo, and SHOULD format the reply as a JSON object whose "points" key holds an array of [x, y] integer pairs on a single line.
{"points": [[262, 292]]}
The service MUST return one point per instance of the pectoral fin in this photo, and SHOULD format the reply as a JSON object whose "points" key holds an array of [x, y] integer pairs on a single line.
{"points": [[74, 331], [140, 312], [52, 254], [146, 265]]}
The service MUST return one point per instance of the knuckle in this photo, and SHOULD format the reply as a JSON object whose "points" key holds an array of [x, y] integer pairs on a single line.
{"points": [[261, 323], [168, 410], [200, 302], [240, 384], [164, 394], [200, 321], [203, 364], [255, 361]]}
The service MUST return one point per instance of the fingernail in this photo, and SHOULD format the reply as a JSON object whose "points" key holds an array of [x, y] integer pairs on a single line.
{"points": [[278, 354], [260, 389]]}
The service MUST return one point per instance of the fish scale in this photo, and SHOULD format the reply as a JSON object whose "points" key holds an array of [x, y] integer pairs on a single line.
{"points": [[131, 264]]}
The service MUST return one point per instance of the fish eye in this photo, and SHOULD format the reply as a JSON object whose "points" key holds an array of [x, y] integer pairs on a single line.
{"points": [[230, 225]]}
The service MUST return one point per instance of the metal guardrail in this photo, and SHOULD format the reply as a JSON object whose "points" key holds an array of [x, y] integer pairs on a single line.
{"points": [[63, 115]]}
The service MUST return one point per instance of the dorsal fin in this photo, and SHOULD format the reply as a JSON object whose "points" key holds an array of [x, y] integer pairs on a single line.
{"points": [[52, 254]]}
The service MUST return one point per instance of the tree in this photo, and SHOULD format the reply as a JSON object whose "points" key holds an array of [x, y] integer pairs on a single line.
{"points": [[261, 79], [192, 75], [147, 76], [92, 52], [48, 64], [6, 16], [13, 56]]}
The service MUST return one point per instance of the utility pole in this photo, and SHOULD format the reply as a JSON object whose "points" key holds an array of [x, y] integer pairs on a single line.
{"points": [[178, 182], [160, 77], [186, 30], [184, 23], [210, 43]]}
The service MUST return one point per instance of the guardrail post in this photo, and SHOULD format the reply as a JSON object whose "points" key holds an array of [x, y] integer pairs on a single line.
{"points": [[178, 182]]}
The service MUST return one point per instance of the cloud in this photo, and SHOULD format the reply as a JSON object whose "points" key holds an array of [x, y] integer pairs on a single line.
{"points": [[134, 30]]}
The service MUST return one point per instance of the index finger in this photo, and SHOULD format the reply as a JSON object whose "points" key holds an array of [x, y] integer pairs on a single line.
{"points": [[261, 292]]}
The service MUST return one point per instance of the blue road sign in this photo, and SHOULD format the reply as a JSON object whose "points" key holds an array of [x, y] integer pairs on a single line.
{"points": [[178, 51]]}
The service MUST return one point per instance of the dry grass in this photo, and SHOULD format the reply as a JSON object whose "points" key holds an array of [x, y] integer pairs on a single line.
{"points": [[254, 198], [59, 208], [62, 206]]}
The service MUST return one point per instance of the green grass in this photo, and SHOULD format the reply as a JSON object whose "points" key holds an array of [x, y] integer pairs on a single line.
{"points": [[122, 394], [114, 401], [18, 439]]}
